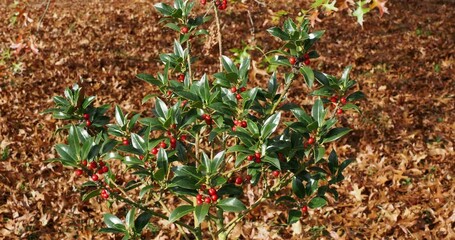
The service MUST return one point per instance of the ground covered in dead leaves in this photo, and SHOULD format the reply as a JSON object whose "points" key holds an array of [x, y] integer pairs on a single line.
{"points": [[400, 187]]}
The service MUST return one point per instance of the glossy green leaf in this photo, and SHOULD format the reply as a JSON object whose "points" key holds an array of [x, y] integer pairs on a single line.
{"points": [[112, 221], [294, 216], [308, 75], [297, 187], [317, 202], [333, 162], [129, 219], [164, 9], [91, 194], [335, 134], [142, 220], [138, 142], [119, 117], [179, 212], [277, 32], [201, 212], [270, 125], [231, 205], [162, 161], [318, 112], [161, 108], [228, 65]]}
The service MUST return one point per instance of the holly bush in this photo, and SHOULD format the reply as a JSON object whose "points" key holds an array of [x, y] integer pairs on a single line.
{"points": [[209, 138]]}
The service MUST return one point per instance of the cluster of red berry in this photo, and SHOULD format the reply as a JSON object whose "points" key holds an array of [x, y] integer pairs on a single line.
{"points": [[239, 123], [86, 116], [207, 118], [238, 91], [343, 101], [256, 157], [181, 77], [98, 169], [221, 5], [212, 195], [305, 59]]}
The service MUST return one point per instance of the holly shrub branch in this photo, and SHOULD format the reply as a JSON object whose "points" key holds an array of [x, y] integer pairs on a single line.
{"points": [[209, 138]]}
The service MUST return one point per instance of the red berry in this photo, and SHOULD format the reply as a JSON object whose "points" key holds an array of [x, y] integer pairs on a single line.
{"points": [[242, 89], [343, 100], [244, 124], [169, 93], [217, 3], [173, 126], [207, 117], [86, 116], [233, 89], [183, 137], [184, 30], [155, 151], [257, 155], [238, 180], [100, 171], [276, 173], [334, 99], [248, 178], [304, 209], [199, 201], [101, 163], [209, 122], [105, 169], [208, 200], [95, 177], [250, 158], [234, 128], [125, 142], [203, 116], [212, 191], [307, 61], [173, 140], [311, 140], [199, 197], [78, 172], [306, 56], [292, 60], [141, 157], [84, 162], [214, 197], [184, 102], [339, 111], [88, 123], [181, 77], [257, 160], [103, 191], [163, 145], [238, 96], [203, 2], [93, 165], [203, 187], [173, 145]]}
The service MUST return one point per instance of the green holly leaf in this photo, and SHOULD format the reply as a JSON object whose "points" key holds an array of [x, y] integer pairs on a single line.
{"points": [[360, 11]]}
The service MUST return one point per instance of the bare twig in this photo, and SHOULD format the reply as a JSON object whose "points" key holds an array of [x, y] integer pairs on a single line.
{"points": [[44, 14]]}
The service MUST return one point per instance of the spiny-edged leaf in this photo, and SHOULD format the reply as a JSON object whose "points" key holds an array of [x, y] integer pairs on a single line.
{"points": [[318, 112], [119, 117], [65, 152], [142, 220], [179, 212], [360, 11], [201, 212], [294, 216], [270, 125], [91, 194], [297, 187], [308, 74], [335, 134], [317, 202], [231, 205], [111, 220]]}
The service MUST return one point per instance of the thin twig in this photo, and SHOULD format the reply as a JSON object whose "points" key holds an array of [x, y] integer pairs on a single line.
{"points": [[218, 32], [42, 16]]}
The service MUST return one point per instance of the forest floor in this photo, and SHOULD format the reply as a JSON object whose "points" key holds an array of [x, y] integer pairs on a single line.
{"points": [[401, 185]]}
